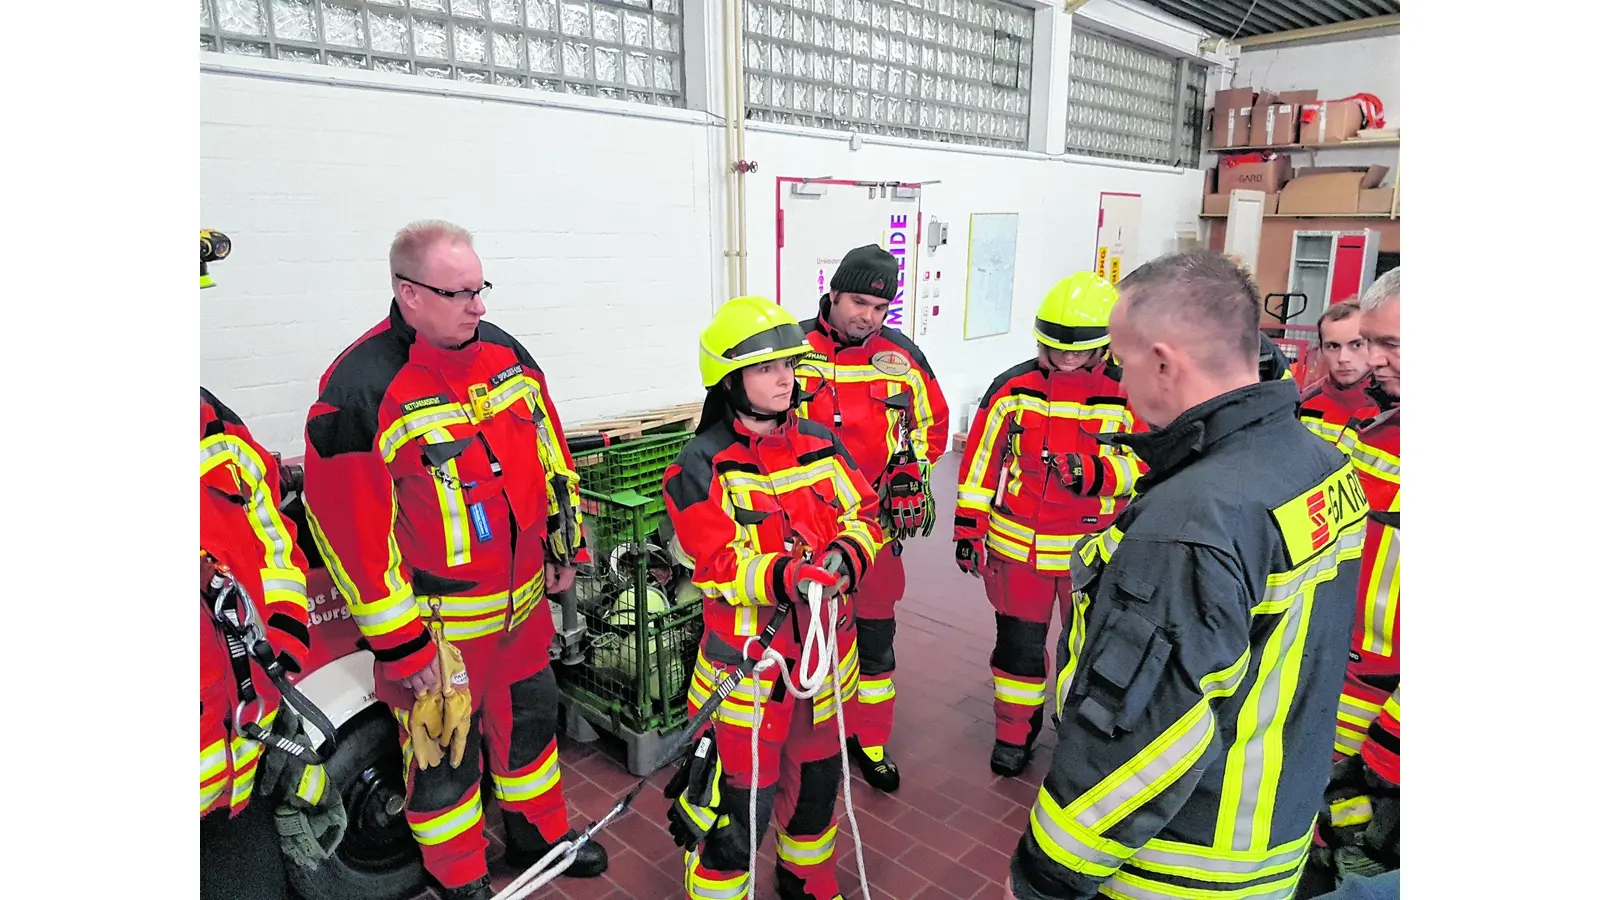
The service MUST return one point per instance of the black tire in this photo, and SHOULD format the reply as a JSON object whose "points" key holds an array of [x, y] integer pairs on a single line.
{"points": [[378, 859]]}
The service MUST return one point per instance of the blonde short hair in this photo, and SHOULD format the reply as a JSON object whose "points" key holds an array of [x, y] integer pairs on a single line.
{"points": [[413, 242]]}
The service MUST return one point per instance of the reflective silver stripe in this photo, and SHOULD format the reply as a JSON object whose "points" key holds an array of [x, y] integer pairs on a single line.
{"points": [[213, 760], [527, 787], [1270, 698], [1168, 853], [261, 507], [1143, 780], [370, 623], [1382, 591], [271, 585], [443, 827], [977, 496], [1054, 834], [1314, 571], [458, 540], [467, 629], [699, 891], [467, 607], [1128, 885], [1366, 456], [406, 429], [807, 853]]}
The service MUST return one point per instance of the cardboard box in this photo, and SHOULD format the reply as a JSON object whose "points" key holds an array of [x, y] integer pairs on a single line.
{"points": [[1298, 98], [1230, 119], [1216, 204], [1273, 121], [1268, 176], [1329, 121], [1331, 191], [1377, 200]]}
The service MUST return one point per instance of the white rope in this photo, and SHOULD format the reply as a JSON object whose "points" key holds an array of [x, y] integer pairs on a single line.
{"points": [[818, 656]]}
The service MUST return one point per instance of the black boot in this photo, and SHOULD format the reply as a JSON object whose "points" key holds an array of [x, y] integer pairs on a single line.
{"points": [[881, 773], [1008, 760], [475, 890], [526, 846]]}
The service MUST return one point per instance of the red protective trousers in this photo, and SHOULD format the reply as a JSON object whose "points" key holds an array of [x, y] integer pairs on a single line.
{"points": [[869, 717], [1023, 599], [796, 787], [514, 698]]}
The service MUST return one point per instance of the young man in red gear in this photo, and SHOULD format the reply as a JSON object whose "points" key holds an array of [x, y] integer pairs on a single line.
{"points": [[1034, 481], [875, 389], [1328, 404], [242, 532], [765, 504], [441, 492]]}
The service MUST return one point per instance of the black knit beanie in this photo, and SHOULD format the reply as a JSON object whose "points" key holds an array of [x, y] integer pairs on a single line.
{"points": [[869, 270]]}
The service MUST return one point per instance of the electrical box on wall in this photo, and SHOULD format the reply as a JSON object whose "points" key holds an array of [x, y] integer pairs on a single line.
{"points": [[937, 234]]}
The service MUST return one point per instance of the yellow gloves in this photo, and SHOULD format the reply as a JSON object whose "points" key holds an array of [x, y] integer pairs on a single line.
{"points": [[442, 716]]}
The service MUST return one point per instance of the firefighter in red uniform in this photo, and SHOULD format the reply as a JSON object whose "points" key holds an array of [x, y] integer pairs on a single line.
{"points": [[875, 389], [441, 492], [1328, 404], [763, 501], [1033, 481], [242, 535], [1361, 825]]}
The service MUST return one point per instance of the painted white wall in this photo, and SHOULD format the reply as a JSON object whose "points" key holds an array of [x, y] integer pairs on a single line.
{"points": [[600, 224]]}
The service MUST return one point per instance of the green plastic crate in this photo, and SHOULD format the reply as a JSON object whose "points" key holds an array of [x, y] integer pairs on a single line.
{"points": [[630, 466]]}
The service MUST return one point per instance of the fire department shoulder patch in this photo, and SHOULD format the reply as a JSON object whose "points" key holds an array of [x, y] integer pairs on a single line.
{"points": [[890, 362], [1323, 515]]}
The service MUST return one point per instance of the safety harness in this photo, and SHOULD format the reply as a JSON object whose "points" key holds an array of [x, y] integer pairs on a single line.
{"points": [[234, 612]]}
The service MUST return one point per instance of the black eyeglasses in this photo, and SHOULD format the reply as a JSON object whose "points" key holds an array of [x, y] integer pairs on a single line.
{"points": [[464, 294]]}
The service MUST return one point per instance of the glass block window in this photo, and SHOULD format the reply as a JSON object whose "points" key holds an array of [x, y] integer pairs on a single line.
{"points": [[948, 70], [1126, 102], [622, 49]]}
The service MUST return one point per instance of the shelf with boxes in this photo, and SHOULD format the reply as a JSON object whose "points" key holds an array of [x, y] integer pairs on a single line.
{"points": [[1256, 132]]}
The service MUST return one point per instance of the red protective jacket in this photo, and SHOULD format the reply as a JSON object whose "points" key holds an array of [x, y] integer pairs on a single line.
{"points": [[1326, 408], [1011, 497], [851, 384], [1374, 670], [745, 506], [413, 493], [241, 527]]}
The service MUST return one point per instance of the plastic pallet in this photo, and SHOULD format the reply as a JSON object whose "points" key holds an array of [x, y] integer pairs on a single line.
{"points": [[647, 750]]}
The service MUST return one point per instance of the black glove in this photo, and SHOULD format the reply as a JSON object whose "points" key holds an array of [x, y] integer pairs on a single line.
{"points": [[696, 794], [1071, 465], [969, 556]]}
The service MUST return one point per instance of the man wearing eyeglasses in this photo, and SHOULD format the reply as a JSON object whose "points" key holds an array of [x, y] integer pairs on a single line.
{"points": [[440, 490]]}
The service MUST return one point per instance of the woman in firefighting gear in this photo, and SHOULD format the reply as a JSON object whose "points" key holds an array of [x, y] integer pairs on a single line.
{"points": [[441, 492], [1034, 481], [1197, 699], [764, 503], [245, 538], [874, 388]]}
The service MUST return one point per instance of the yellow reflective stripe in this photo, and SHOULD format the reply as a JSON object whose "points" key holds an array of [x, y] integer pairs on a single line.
{"points": [[340, 574], [209, 795], [527, 787], [1379, 464], [1066, 841], [807, 851], [409, 427], [753, 576], [313, 783], [1162, 762], [875, 690], [1127, 885], [706, 887], [1124, 472], [1255, 761], [1075, 638], [453, 511], [265, 520], [1006, 547], [785, 480], [1219, 866], [1354, 811], [1012, 690], [849, 672], [1392, 705], [1379, 607], [440, 827], [973, 489], [1010, 529], [213, 759]]}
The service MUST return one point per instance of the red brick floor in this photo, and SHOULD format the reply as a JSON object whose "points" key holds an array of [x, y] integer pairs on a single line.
{"points": [[947, 834]]}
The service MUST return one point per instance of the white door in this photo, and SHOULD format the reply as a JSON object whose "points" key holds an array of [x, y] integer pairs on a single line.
{"points": [[1243, 238], [1117, 241], [820, 221]]}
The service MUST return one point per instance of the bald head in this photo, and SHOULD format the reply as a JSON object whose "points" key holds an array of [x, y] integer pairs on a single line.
{"points": [[1198, 300]]}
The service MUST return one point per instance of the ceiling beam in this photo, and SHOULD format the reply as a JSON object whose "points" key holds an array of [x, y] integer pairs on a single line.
{"points": [[1338, 29]]}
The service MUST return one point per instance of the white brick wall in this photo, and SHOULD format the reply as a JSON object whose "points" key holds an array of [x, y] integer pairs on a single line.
{"points": [[601, 228]]}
